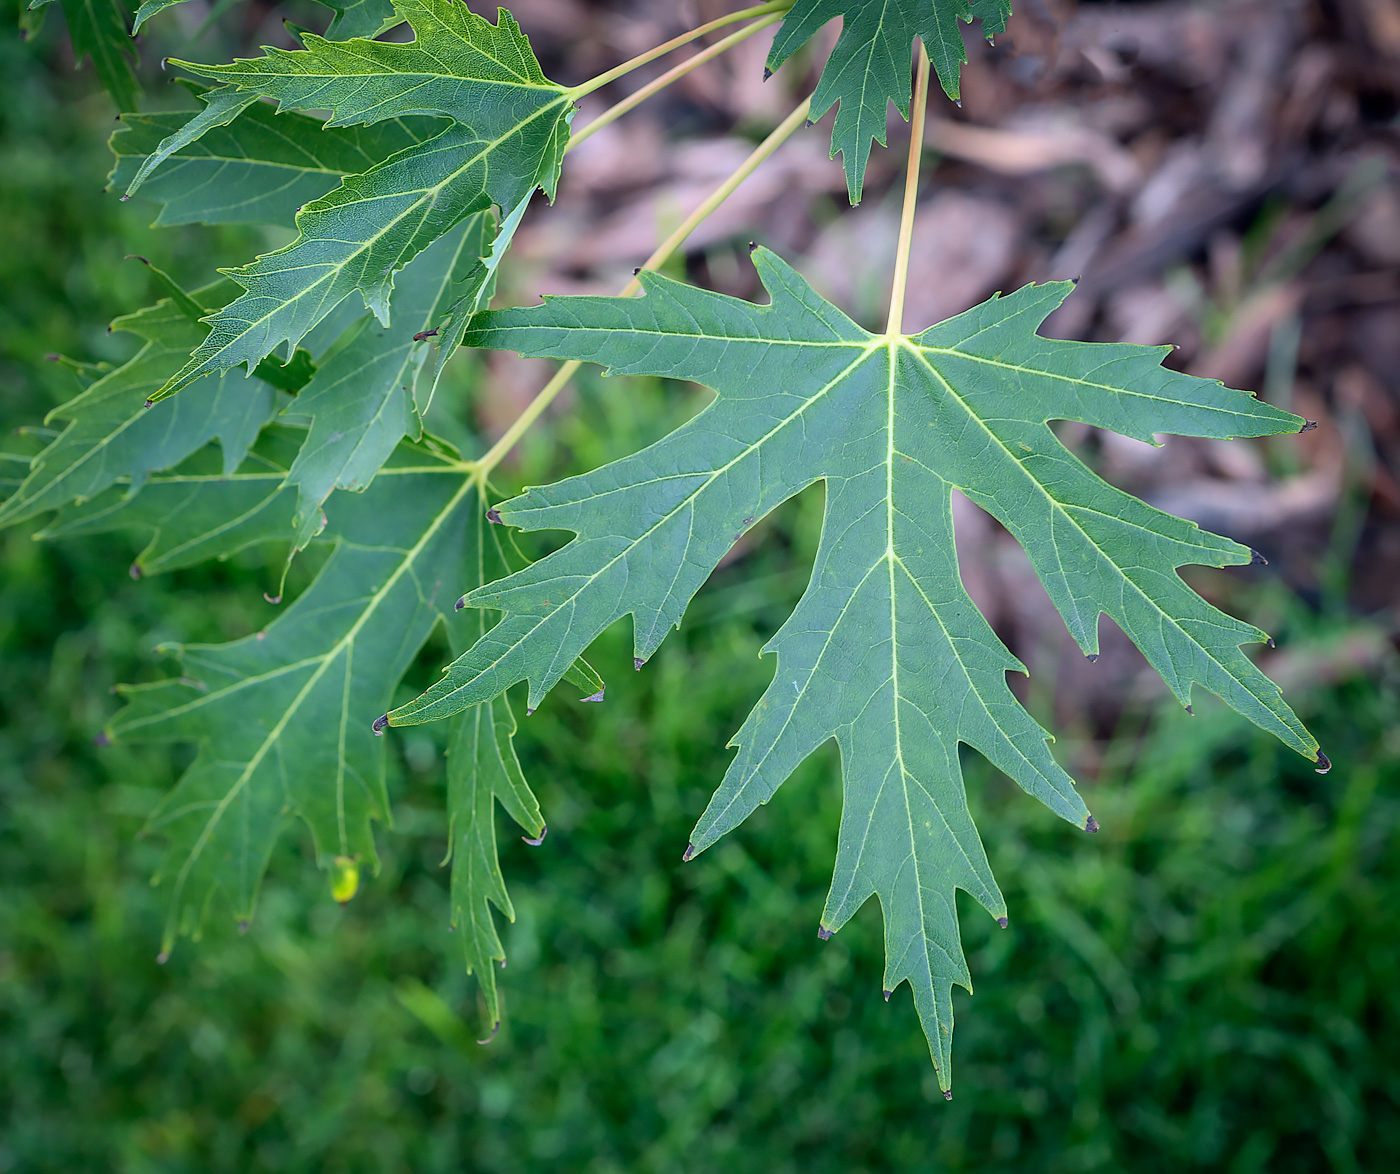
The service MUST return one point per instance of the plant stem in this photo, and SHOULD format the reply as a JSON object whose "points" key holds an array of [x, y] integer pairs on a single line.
{"points": [[777, 6], [482, 468], [895, 324], [617, 111]]}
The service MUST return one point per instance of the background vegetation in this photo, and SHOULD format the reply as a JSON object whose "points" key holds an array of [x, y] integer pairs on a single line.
{"points": [[1208, 984]]}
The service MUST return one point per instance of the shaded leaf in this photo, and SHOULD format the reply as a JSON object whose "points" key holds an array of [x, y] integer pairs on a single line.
{"points": [[98, 29], [508, 136], [111, 434], [884, 653], [360, 401]]}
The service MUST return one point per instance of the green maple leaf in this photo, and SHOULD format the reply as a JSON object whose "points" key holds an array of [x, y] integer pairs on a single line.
{"points": [[885, 652], [361, 399], [282, 717], [507, 137], [246, 164], [353, 18], [869, 66], [97, 29], [111, 434]]}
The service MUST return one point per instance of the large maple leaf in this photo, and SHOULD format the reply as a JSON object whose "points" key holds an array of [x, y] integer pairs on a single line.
{"points": [[885, 652], [509, 126], [869, 65], [279, 716]]}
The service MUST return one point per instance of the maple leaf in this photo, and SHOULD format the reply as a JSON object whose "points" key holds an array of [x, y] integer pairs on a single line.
{"points": [[869, 65], [885, 653], [97, 29], [281, 717], [112, 434], [353, 18], [507, 137], [246, 164]]}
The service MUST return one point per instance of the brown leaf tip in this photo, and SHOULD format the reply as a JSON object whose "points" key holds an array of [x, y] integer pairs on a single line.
{"points": [[544, 831], [753, 246], [163, 957], [1092, 657], [379, 725], [272, 598], [596, 697], [493, 515], [767, 73], [1324, 764], [637, 663], [689, 854], [824, 933], [1308, 426], [495, 1027], [887, 995], [1003, 922], [1269, 640], [1256, 559], [1091, 824], [948, 1092], [134, 570], [1190, 712], [460, 604], [424, 335]]}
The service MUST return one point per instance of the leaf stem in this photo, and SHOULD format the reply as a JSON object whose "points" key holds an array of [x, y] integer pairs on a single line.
{"points": [[613, 113], [777, 7], [895, 324], [482, 468]]}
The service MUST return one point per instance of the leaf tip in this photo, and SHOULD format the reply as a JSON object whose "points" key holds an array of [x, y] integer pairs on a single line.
{"points": [[495, 1027], [1324, 764], [101, 739], [493, 515], [753, 247], [272, 599], [637, 663], [1256, 559], [1003, 922], [1092, 657], [163, 957], [689, 854], [535, 843], [824, 933], [594, 697], [1091, 824], [767, 73], [1190, 712], [460, 604], [242, 925], [134, 570], [424, 335], [379, 725], [948, 1092], [1269, 640], [1308, 426], [887, 995]]}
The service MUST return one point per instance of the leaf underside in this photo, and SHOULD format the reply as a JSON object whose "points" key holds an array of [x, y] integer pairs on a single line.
{"points": [[502, 131], [885, 653]]}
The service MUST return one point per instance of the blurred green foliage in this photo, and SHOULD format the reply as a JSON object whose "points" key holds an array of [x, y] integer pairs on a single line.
{"points": [[1207, 984]]}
